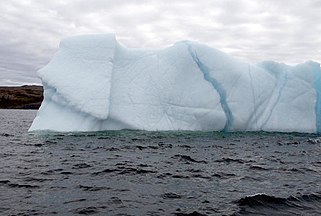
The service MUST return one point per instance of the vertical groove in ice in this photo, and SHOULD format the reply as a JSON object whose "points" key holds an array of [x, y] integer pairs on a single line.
{"points": [[216, 85], [282, 79], [317, 87], [254, 98]]}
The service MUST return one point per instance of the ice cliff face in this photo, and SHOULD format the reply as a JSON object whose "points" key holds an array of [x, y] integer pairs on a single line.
{"points": [[94, 83]]}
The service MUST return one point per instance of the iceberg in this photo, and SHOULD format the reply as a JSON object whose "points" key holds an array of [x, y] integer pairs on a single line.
{"points": [[94, 83]]}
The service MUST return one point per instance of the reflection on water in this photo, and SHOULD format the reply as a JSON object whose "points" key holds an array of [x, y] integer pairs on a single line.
{"points": [[156, 173]]}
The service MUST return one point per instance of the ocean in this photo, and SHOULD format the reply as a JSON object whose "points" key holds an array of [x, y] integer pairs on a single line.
{"points": [[132, 172]]}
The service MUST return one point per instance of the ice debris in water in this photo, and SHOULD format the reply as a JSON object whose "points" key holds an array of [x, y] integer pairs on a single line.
{"points": [[94, 83]]}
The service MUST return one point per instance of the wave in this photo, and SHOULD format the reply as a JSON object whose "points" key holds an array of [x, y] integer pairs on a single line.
{"points": [[263, 204]]}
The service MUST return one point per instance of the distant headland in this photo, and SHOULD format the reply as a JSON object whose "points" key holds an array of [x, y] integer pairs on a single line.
{"points": [[22, 97]]}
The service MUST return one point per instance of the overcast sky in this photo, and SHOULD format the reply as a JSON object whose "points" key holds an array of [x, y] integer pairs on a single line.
{"points": [[253, 30]]}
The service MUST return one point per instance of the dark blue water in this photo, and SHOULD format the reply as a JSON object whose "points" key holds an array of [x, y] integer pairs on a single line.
{"points": [[156, 173]]}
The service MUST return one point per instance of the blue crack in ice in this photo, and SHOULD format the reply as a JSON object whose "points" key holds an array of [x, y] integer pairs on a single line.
{"points": [[216, 85]]}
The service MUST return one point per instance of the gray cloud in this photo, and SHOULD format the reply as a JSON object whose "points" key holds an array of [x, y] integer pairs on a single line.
{"points": [[286, 31]]}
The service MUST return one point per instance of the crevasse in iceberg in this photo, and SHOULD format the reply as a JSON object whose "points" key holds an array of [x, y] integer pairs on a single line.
{"points": [[94, 83]]}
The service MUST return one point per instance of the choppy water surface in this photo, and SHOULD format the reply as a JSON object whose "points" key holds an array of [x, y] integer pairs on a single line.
{"points": [[156, 173]]}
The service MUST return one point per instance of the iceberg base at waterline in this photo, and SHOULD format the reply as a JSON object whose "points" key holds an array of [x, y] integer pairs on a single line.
{"points": [[94, 83]]}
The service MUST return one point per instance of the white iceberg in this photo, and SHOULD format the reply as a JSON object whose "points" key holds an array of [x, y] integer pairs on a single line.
{"points": [[94, 83]]}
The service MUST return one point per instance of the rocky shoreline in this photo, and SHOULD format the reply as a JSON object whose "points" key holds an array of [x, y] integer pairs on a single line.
{"points": [[22, 97]]}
